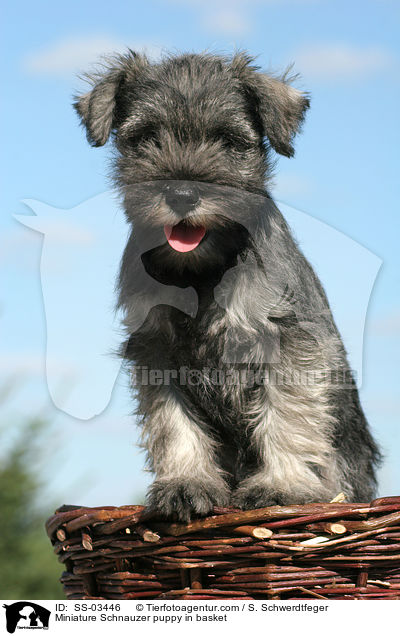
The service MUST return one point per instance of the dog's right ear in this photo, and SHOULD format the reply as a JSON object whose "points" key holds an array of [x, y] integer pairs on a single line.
{"points": [[98, 108]]}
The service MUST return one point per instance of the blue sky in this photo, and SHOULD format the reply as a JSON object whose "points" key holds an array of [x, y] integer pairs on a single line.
{"points": [[344, 174]]}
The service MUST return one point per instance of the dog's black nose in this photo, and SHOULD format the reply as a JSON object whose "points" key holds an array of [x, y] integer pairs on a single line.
{"points": [[182, 197]]}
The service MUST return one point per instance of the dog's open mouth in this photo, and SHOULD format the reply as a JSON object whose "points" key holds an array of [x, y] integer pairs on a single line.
{"points": [[183, 237]]}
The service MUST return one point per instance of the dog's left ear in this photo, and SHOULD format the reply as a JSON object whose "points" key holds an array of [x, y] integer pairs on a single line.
{"points": [[281, 107], [98, 109]]}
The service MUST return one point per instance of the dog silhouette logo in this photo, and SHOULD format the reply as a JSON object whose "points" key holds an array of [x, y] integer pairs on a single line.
{"points": [[26, 615], [80, 258]]}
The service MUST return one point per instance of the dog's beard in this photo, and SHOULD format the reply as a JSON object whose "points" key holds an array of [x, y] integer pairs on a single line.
{"points": [[197, 247], [203, 257]]}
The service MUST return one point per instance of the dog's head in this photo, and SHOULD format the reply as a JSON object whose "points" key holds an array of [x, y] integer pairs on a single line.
{"points": [[194, 117], [184, 127]]}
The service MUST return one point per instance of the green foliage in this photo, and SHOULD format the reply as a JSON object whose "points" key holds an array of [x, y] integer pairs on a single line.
{"points": [[29, 568]]}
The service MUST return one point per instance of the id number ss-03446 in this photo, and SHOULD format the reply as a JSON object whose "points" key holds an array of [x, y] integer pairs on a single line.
{"points": [[97, 607]]}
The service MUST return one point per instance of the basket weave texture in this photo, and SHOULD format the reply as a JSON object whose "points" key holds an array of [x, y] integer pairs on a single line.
{"points": [[320, 551]]}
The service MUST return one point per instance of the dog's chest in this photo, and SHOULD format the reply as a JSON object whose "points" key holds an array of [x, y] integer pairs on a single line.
{"points": [[197, 351], [189, 353]]}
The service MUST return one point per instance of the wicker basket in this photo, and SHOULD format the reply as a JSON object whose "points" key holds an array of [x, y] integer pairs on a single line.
{"points": [[320, 551]]}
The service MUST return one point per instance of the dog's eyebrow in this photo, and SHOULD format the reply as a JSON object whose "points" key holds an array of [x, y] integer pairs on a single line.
{"points": [[134, 123], [237, 127]]}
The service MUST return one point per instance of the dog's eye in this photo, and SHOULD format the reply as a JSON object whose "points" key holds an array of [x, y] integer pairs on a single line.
{"points": [[235, 141], [142, 136]]}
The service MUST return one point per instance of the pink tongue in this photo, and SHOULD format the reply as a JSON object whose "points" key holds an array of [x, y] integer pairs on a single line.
{"points": [[183, 238]]}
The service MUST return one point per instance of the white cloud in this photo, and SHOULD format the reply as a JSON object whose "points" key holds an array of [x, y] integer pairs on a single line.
{"points": [[230, 17], [341, 60], [388, 326], [62, 231], [76, 53], [18, 246], [383, 405], [33, 364], [13, 243], [286, 186], [229, 20]]}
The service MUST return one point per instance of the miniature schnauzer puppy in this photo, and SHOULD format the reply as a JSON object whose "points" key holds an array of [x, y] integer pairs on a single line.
{"points": [[193, 136]]}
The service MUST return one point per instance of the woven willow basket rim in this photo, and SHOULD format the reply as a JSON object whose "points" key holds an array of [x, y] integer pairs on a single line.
{"points": [[318, 550]]}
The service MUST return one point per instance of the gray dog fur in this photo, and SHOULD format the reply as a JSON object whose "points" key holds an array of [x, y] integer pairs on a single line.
{"points": [[193, 136]]}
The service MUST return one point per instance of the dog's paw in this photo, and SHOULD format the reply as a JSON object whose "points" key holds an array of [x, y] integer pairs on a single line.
{"points": [[252, 497], [185, 498]]}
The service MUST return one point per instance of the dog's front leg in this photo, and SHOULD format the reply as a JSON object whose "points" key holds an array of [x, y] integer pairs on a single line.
{"points": [[183, 456], [291, 434]]}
